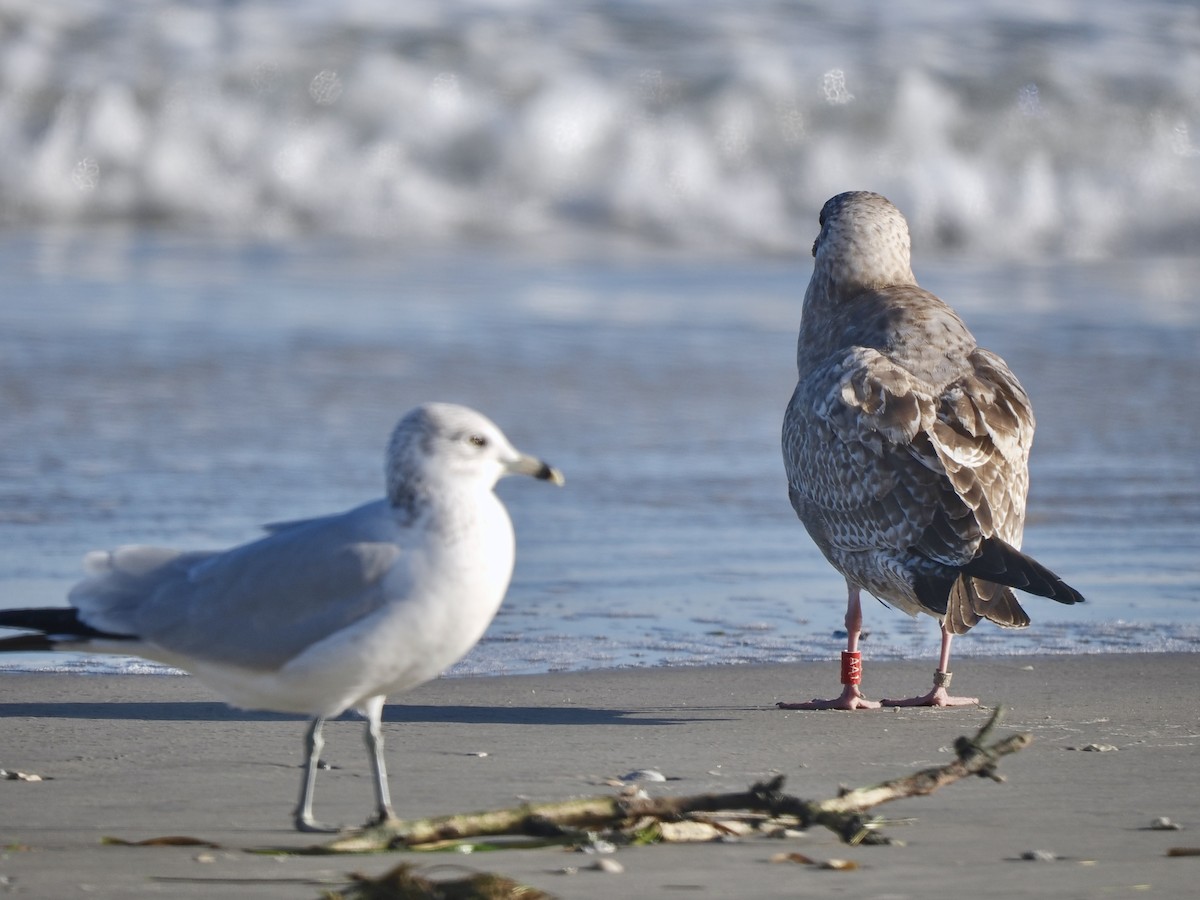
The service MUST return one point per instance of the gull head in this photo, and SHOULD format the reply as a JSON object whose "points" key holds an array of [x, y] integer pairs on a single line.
{"points": [[863, 243], [440, 446]]}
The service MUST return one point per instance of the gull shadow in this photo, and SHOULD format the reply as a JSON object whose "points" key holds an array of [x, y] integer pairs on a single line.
{"points": [[527, 715], [193, 711], [152, 711]]}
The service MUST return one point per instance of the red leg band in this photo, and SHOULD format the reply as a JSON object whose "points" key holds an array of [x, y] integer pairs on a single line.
{"points": [[851, 667]]}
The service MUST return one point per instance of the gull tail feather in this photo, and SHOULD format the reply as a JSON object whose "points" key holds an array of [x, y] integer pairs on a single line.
{"points": [[1002, 563], [51, 626], [982, 588]]}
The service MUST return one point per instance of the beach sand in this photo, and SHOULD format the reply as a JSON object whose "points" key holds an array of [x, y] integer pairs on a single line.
{"points": [[138, 757]]}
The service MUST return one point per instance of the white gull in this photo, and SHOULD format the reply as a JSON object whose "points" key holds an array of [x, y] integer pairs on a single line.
{"points": [[326, 614]]}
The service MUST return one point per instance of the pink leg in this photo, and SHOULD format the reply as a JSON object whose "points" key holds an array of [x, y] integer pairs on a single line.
{"points": [[940, 695], [851, 697]]}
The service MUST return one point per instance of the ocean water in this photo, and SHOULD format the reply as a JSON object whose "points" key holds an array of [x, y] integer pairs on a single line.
{"points": [[235, 246], [183, 393]]}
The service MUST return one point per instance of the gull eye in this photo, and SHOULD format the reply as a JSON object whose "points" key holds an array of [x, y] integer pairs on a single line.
{"points": [[478, 440]]}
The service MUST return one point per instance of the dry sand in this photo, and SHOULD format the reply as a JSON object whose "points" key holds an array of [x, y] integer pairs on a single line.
{"points": [[143, 756]]}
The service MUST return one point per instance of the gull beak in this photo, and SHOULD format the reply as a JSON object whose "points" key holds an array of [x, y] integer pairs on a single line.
{"points": [[535, 468]]}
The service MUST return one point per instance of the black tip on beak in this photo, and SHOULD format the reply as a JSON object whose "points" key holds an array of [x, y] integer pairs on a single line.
{"points": [[547, 472]]}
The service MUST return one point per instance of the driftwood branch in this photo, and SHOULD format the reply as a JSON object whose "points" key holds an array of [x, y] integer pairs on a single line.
{"points": [[973, 756], [843, 814]]}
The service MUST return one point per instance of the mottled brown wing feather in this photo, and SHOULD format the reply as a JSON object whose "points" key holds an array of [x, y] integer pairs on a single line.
{"points": [[857, 455], [878, 461]]}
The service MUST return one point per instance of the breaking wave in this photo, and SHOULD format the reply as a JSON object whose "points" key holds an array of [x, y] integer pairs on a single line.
{"points": [[1006, 127]]}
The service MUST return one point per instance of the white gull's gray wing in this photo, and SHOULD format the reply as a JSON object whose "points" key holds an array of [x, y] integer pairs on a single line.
{"points": [[257, 605]]}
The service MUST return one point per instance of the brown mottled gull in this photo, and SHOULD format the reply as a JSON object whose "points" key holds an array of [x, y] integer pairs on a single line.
{"points": [[906, 446]]}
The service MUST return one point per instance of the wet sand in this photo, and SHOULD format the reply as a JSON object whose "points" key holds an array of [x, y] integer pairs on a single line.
{"points": [[137, 757]]}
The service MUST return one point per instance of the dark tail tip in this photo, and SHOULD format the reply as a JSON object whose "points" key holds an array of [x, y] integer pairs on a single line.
{"points": [[51, 624], [22, 643], [1001, 563]]}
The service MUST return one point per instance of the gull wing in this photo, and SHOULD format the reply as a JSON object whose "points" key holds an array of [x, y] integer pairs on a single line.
{"points": [[256, 605]]}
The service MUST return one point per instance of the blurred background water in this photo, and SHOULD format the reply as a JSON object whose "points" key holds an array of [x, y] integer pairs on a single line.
{"points": [[238, 241], [1000, 126]]}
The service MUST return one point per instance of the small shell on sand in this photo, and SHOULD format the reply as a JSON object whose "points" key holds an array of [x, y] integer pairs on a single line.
{"points": [[6, 775], [644, 775], [1040, 856]]}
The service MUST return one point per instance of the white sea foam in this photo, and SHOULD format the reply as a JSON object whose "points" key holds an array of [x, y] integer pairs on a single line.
{"points": [[1009, 125]]}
